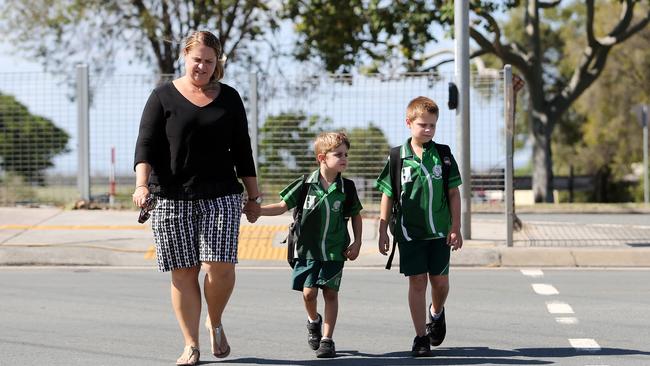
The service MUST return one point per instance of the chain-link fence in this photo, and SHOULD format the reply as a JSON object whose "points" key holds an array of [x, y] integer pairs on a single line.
{"points": [[37, 139], [39, 158], [371, 109]]}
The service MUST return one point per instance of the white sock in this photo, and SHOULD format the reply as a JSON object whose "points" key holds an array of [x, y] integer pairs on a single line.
{"points": [[313, 321], [434, 316]]}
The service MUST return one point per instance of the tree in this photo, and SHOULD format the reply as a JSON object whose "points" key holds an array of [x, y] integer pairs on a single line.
{"points": [[551, 90], [286, 145], [343, 33], [610, 141], [62, 33], [28, 143], [368, 152]]}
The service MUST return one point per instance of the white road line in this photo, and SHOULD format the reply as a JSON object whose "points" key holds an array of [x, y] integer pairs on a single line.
{"points": [[584, 344], [566, 320], [544, 289], [559, 308], [532, 272]]}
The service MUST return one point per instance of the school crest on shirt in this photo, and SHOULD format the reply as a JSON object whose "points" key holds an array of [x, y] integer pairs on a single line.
{"points": [[437, 171], [336, 206]]}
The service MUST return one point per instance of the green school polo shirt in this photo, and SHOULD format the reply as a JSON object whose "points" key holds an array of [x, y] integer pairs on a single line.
{"points": [[424, 211], [323, 229]]}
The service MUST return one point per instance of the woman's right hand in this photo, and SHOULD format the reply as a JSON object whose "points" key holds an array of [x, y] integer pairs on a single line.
{"points": [[140, 195]]}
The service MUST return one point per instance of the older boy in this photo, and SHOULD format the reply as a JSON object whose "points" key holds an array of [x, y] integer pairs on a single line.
{"points": [[427, 221], [322, 245]]}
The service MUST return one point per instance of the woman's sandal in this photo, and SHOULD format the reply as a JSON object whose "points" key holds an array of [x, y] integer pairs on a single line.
{"points": [[217, 338], [190, 356]]}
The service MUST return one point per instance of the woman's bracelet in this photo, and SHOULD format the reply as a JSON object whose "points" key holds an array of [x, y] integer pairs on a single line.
{"points": [[142, 185]]}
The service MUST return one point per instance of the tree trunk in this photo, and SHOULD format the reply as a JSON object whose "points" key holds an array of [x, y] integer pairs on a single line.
{"points": [[542, 157]]}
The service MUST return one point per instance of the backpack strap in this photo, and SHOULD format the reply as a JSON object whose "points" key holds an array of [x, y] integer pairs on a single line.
{"points": [[395, 170], [297, 219], [444, 152], [348, 187]]}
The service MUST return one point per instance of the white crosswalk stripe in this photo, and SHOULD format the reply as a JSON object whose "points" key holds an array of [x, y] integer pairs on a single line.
{"points": [[532, 272], [559, 308], [585, 344], [544, 289]]}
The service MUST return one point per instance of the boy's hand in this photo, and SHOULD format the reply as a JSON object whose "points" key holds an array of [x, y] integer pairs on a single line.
{"points": [[251, 218], [352, 251], [384, 242], [455, 239]]}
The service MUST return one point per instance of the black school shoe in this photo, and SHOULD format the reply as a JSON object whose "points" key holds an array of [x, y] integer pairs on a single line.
{"points": [[421, 347], [314, 333], [436, 329], [326, 349]]}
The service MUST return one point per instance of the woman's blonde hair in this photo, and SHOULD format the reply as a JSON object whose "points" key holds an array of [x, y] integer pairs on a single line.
{"points": [[328, 141], [207, 39]]}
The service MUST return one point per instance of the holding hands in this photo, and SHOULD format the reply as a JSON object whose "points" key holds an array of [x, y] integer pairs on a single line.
{"points": [[252, 210]]}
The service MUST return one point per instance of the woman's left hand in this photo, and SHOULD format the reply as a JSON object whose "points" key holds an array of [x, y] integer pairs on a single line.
{"points": [[252, 210]]}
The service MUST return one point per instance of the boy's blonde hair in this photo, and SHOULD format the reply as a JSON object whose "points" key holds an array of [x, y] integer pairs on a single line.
{"points": [[418, 106], [328, 141]]}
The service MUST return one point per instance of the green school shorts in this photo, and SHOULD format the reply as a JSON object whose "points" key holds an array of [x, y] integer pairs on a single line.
{"points": [[424, 256], [315, 273]]}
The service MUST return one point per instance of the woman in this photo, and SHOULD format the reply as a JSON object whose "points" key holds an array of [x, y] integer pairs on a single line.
{"points": [[192, 147]]}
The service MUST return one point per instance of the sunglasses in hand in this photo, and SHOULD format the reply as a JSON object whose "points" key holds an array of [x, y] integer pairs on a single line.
{"points": [[145, 211]]}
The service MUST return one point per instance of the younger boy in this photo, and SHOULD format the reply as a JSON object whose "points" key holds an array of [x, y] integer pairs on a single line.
{"points": [[427, 222], [322, 246]]}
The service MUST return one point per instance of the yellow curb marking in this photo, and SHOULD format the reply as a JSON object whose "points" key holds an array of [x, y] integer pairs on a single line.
{"points": [[150, 253], [255, 241]]}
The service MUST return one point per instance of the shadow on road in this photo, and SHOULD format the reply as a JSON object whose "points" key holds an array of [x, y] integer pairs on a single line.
{"points": [[449, 356]]}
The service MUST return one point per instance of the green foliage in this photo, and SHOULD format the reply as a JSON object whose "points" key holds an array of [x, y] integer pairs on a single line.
{"points": [[607, 142], [61, 33], [28, 143], [371, 34], [368, 152], [347, 34], [286, 145]]}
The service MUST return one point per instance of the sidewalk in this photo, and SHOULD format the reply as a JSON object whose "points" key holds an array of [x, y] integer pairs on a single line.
{"points": [[51, 236]]}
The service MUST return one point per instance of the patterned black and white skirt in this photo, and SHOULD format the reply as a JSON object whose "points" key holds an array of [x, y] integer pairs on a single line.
{"points": [[190, 232]]}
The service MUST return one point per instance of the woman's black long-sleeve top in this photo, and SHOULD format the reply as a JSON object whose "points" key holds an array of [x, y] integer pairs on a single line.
{"points": [[195, 152]]}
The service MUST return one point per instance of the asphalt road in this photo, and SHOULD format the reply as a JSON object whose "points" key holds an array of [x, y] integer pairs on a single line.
{"points": [[94, 316]]}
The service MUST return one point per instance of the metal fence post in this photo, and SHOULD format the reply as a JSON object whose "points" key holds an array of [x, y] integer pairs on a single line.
{"points": [[461, 25], [83, 133], [508, 94], [253, 117]]}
